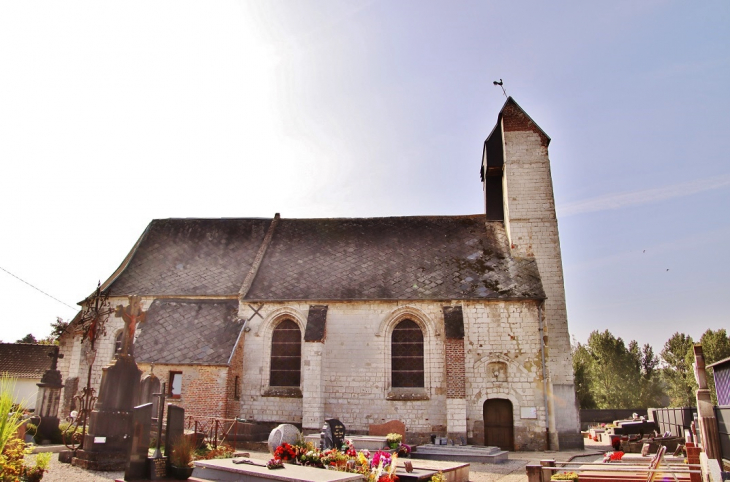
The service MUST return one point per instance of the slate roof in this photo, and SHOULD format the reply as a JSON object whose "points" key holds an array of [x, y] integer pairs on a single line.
{"points": [[23, 360], [178, 332], [415, 257], [192, 257]]}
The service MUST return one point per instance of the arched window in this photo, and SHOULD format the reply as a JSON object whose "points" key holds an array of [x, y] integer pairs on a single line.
{"points": [[286, 355], [407, 355]]}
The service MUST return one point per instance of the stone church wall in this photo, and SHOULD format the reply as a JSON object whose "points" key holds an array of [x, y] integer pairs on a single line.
{"points": [[532, 225], [353, 373]]}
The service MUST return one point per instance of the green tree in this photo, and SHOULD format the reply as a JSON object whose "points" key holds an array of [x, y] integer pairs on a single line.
{"points": [[608, 374], [651, 384], [677, 372], [581, 366], [614, 372], [29, 338]]}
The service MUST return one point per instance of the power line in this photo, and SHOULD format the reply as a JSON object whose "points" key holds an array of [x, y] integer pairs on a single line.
{"points": [[38, 289]]}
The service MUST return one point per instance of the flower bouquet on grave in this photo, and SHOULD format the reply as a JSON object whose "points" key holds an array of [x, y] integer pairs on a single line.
{"points": [[385, 471], [573, 476], [612, 457], [311, 458], [334, 459], [404, 450], [275, 464], [381, 459], [349, 448], [438, 477], [286, 453]]}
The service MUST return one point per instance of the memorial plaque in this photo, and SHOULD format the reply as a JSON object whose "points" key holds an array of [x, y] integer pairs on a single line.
{"points": [[336, 432], [158, 468], [137, 466]]}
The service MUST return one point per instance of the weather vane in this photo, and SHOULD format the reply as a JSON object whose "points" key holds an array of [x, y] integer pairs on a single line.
{"points": [[500, 83]]}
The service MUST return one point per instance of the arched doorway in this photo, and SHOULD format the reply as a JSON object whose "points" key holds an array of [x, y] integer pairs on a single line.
{"points": [[498, 423]]}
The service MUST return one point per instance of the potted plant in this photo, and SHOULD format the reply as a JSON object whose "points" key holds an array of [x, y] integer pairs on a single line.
{"points": [[181, 458], [35, 473], [393, 440]]}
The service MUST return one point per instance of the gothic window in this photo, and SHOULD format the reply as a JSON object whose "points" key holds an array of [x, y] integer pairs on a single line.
{"points": [[286, 355], [407, 355]]}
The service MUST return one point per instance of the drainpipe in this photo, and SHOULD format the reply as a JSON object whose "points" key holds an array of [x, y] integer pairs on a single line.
{"points": [[544, 373]]}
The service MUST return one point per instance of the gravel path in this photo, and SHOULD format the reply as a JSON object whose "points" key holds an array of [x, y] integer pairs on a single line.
{"points": [[511, 471]]}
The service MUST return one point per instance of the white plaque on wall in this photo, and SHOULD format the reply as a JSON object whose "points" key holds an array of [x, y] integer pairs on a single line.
{"points": [[528, 412]]}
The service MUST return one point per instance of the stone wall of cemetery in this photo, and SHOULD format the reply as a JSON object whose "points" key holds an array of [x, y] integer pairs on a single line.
{"points": [[355, 367]]}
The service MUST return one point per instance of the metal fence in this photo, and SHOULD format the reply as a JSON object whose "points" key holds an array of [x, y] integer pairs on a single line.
{"points": [[674, 420], [214, 430], [723, 427]]}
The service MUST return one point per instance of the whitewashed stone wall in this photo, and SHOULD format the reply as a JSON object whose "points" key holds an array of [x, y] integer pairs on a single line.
{"points": [[355, 367], [533, 231]]}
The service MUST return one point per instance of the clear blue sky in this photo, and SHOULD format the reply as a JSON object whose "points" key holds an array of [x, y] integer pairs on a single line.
{"points": [[112, 114]]}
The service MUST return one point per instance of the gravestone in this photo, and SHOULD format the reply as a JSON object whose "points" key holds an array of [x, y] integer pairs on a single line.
{"points": [[284, 433], [137, 466], [158, 463], [107, 441], [175, 427], [148, 387], [49, 398], [335, 433], [392, 426]]}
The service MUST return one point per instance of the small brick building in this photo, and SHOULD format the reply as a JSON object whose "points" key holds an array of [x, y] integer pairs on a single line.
{"points": [[454, 325]]}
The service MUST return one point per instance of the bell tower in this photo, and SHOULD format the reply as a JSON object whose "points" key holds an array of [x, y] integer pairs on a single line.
{"points": [[518, 190]]}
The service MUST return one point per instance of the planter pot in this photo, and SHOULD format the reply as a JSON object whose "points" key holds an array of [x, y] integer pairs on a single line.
{"points": [[181, 473]]}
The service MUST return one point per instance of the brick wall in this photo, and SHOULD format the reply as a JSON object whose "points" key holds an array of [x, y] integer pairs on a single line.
{"points": [[204, 388], [235, 375], [454, 349]]}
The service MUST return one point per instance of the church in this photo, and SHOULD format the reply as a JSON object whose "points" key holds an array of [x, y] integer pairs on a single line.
{"points": [[454, 325]]}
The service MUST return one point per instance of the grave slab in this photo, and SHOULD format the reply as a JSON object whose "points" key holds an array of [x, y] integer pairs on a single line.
{"points": [[224, 470], [361, 442], [460, 453]]}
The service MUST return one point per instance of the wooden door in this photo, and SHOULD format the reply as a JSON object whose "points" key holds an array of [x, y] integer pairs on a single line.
{"points": [[498, 424]]}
